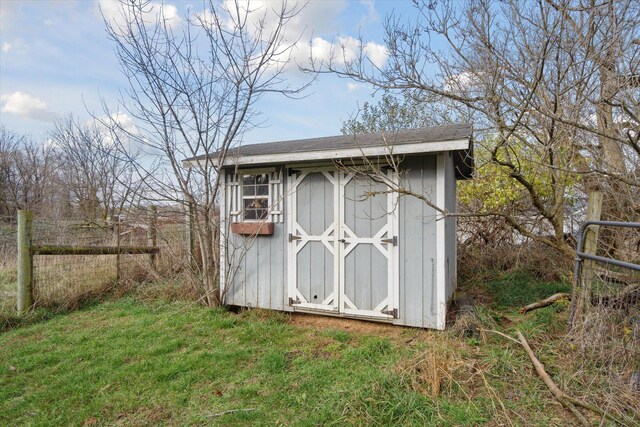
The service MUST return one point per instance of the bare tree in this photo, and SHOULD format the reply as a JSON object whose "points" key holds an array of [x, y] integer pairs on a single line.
{"points": [[27, 173], [550, 87], [193, 90], [96, 180], [9, 142]]}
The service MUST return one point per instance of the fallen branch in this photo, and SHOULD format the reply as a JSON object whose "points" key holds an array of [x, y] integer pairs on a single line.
{"points": [[545, 302], [567, 401], [231, 411]]}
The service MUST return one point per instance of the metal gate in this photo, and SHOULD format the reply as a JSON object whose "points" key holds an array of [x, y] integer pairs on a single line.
{"points": [[343, 243]]}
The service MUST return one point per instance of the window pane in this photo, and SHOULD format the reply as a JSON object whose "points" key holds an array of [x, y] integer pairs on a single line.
{"points": [[262, 213], [263, 190], [249, 190], [248, 203], [248, 179], [250, 214], [262, 179], [260, 203]]}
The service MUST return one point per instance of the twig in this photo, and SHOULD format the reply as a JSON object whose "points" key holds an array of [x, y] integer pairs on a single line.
{"points": [[502, 335], [567, 401], [555, 390], [231, 411], [545, 302]]}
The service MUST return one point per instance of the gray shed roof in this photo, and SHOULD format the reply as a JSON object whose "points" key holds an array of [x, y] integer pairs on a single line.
{"points": [[457, 137]]}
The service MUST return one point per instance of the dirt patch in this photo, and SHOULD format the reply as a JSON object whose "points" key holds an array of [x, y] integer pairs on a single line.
{"points": [[143, 416], [352, 325]]}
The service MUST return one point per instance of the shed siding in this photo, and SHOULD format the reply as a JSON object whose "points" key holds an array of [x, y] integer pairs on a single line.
{"points": [[417, 240], [260, 279], [450, 227]]}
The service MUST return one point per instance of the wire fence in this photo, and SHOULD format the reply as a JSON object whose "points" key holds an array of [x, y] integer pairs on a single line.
{"points": [[68, 268], [606, 326], [8, 275]]}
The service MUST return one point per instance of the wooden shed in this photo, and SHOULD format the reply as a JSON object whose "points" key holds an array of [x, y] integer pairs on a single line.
{"points": [[304, 229]]}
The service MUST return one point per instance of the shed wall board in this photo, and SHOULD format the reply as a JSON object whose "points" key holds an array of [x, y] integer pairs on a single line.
{"points": [[417, 240], [450, 226]]}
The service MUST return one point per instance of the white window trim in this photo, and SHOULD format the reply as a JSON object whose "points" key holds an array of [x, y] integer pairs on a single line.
{"points": [[274, 197]]}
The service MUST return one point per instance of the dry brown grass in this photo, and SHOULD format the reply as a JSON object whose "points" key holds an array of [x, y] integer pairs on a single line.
{"points": [[474, 261], [604, 351], [432, 371]]}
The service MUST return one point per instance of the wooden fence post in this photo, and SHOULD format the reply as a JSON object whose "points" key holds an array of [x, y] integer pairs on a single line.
{"points": [[594, 211], [25, 264], [118, 249], [152, 233], [191, 235]]}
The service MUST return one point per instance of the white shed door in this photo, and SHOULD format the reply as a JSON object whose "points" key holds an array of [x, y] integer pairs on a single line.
{"points": [[343, 244]]}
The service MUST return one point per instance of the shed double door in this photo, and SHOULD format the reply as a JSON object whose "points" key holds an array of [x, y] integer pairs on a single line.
{"points": [[343, 251]]}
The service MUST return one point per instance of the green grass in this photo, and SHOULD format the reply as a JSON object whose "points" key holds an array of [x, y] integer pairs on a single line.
{"points": [[513, 290], [130, 362]]}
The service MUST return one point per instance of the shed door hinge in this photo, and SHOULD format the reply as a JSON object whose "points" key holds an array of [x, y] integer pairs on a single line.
{"points": [[393, 313], [294, 302], [393, 240]]}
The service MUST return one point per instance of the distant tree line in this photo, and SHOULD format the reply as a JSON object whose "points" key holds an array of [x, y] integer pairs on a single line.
{"points": [[76, 172]]}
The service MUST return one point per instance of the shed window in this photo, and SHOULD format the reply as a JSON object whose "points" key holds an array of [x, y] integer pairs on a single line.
{"points": [[255, 196]]}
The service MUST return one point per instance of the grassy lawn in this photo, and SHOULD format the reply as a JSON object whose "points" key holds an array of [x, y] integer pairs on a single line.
{"points": [[127, 362]]}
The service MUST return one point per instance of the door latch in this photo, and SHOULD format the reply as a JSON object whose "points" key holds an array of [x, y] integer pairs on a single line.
{"points": [[293, 237], [393, 240]]}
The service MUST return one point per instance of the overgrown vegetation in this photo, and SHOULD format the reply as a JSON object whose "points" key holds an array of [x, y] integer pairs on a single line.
{"points": [[143, 360]]}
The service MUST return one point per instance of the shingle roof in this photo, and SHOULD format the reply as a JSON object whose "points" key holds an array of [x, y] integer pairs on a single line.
{"points": [[456, 138], [411, 136]]}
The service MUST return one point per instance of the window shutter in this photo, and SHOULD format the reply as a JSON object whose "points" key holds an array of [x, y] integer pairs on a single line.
{"points": [[232, 195], [276, 196]]}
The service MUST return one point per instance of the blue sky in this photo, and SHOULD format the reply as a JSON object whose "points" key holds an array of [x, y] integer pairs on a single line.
{"points": [[55, 59]]}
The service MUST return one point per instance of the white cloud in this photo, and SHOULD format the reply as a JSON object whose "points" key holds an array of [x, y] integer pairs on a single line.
{"points": [[319, 17], [377, 53], [15, 46], [353, 86], [118, 14], [25, 105], [114, 127], [464, 83], [372, 15], [125, 122], [310, 18], [342, 51]]}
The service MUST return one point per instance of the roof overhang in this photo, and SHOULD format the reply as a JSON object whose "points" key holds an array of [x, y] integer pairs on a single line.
{"points": [[448, 138], [232, 160]]}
